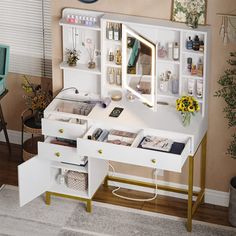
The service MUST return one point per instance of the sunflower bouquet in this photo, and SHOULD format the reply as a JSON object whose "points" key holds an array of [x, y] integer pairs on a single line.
{"points": [[188, 106]]}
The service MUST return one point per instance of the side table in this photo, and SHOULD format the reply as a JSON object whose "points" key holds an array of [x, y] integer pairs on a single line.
{"points": [[30, 146]]}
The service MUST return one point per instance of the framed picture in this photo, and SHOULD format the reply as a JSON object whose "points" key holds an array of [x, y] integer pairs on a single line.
{"points": [[180, 9]]}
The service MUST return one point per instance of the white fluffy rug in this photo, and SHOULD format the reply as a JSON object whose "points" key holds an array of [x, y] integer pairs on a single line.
{"points": [[66, 217]]}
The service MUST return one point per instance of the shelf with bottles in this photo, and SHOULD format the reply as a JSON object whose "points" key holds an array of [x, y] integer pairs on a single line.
{"points": [[193, 66], [113, 31], [114, 57], [193, 43], [81, 67], [114, 76], [169, 53], [193, 87]]}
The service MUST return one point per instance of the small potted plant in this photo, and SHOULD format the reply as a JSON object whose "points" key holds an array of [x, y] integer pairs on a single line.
{"points": [[227, 91], [72, 56], [187, 105], [36, 98]]}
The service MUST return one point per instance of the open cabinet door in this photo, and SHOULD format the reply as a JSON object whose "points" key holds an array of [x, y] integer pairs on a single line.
{"points": [[33, 179], [138, 65]]}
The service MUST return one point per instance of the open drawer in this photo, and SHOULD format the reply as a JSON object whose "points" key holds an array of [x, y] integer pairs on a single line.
{"points": [[52, 150], [69, 128], [133, 154]]}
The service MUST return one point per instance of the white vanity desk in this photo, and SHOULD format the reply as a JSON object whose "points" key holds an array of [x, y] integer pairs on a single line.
{"points": [[62, 121]]}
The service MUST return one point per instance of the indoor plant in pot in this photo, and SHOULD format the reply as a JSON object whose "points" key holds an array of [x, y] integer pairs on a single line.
{"points": [[227, 91]]}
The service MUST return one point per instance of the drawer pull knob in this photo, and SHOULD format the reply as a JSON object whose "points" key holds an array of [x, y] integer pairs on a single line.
{"points": [[154, 161], [100, 151], [57, 154], [61, 131]]}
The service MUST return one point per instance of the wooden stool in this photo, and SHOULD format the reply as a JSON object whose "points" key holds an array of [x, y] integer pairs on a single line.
{"points": [[3, 123]]}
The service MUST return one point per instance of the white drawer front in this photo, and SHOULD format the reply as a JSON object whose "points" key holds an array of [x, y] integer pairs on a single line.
{"points": [[133, 155], [59, 153], [62, 129]]}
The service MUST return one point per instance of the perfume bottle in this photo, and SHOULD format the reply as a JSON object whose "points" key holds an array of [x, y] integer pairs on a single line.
{"points": [[118, 57], [201, 47], [111, 55], [170, 51], [194, 70], [111, 75], [190, 86], [200, 68], [189, 43], [196, 43], [116, 32], [118, 77], [189, 64], [199, 88], [176, 51], [174, 84]]}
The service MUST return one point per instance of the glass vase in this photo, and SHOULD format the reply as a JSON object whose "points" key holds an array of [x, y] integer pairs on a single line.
{"points": [[186, 118]]}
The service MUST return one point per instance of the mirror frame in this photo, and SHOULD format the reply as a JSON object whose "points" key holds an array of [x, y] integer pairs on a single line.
{"points": [[125, 32]]}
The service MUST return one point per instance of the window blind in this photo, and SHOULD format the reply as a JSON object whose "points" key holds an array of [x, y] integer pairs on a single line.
{"points": [[25, 26]]}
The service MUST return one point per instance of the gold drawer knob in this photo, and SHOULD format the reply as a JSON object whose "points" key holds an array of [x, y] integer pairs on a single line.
{"points": [[154, 161], [100, 151], [61, 131], [57, 154]]}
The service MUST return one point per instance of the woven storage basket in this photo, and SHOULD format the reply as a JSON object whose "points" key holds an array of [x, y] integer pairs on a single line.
{"points": [[76, 180]]}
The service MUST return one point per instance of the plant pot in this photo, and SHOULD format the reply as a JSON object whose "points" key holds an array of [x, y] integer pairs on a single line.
{"points": [[232, 202]]}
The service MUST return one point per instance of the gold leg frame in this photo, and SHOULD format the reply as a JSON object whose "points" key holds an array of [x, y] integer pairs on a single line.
{"points": [[88, 201], [200, 195]]}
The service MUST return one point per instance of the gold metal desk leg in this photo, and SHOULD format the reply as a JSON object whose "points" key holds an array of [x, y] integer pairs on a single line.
{"points": [[105, 184], [203, 167], [190, 192], [89, 206], [48, 198]]}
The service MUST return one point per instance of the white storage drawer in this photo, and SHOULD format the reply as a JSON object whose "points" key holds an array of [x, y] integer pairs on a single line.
{"points": [[55, 152], [62, 129], [133, 154]]}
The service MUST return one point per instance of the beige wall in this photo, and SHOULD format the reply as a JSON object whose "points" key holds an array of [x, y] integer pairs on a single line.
{"points": [[220, 168]]}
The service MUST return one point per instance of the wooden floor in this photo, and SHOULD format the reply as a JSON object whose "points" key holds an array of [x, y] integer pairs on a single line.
{"points": [[162, 204]]}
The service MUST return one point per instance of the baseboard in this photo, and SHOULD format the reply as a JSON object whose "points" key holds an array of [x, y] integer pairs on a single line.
{"points": [[14, 136], [214, 197], [211, 196]]}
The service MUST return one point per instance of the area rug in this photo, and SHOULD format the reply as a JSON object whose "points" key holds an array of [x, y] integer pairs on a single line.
{"points": [[66, 217]]}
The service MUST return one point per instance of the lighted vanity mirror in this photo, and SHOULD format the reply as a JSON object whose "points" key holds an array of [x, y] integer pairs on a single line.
{"points": [[138, 65]]}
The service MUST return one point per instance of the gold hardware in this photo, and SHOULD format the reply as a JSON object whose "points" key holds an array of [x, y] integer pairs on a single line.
{"points": [[100, 151], [154, 161], [61, 131], [57, 154]]}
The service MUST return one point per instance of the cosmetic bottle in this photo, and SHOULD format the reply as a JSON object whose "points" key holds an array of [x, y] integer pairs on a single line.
{"points": [[189, 43], [116, 32], [201, 47], [111, 55], [110, 31], [176, 51], [200, 68], [170, 51], [118, 77], [111, 75], [199, 88], [189, 64], [194, 70], [190, 86], [196, 43], [118, 58], [174, 84]]}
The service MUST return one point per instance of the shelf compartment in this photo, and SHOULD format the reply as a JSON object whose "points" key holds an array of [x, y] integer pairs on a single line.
{"points": [[80, 67], [168, 61], [63, 165]]}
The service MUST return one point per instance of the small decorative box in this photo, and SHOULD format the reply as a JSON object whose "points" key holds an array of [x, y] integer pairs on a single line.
{"points": [[76, 180]]}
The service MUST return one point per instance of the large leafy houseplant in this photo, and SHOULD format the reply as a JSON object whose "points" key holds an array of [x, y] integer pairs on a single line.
{"points": [[228, 93]]}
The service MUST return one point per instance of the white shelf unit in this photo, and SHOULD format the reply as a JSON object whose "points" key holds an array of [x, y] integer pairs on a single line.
{"points": [[86, 40], [108, 45]]}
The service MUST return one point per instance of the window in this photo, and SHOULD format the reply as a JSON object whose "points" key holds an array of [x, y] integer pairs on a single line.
{"points": [[25, 26]]}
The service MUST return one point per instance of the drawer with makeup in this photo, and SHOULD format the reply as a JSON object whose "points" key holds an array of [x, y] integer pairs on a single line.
{"points": [[64, 127], [150, 148]]}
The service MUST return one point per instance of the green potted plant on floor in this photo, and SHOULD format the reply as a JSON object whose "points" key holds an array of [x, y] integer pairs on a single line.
{"points": [[228, 92]]}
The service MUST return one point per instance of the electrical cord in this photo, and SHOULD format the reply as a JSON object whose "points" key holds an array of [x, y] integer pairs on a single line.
{"points": [[76, 90], [133, 199]]}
